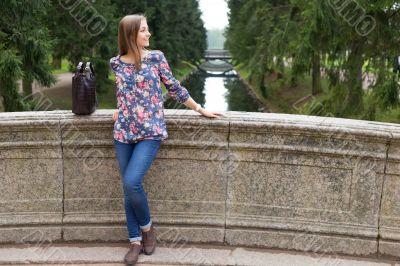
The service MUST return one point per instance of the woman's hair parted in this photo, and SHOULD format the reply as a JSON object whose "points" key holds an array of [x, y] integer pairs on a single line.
{"points": [[127, 33]]}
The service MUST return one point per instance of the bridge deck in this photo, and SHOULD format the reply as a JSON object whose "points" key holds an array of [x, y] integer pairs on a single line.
{"points": [[166, 254], [217, 54]]}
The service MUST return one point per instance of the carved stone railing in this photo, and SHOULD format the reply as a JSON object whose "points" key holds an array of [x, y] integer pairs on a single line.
{"points": [[248, 179]]}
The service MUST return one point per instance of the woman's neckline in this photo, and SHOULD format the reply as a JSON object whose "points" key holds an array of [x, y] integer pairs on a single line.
{"points": [[119, 58]]}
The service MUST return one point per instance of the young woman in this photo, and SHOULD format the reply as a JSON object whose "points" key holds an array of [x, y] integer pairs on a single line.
{"points": [[139, 126]]}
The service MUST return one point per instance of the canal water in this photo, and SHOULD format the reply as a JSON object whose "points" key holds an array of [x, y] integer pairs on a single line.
{"points": [[217, 93]]}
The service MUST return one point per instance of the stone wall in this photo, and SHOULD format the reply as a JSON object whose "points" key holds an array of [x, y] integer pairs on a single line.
{"points": [[251, 179]]}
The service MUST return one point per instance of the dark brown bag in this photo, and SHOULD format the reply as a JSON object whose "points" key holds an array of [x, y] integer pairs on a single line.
{"points": [[84, 98]]}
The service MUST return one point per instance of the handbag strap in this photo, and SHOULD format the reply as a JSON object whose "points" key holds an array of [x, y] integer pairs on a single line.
{"points": [[89, 67], [79, 68]]}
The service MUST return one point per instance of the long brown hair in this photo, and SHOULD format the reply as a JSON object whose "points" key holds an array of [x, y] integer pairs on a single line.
{"points": [[127, 34]]}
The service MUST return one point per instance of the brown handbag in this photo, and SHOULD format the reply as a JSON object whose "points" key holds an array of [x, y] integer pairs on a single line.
{"points": [[84, 98]]}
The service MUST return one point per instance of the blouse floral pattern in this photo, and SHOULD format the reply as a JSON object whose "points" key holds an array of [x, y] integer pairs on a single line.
{"points": [[139, 97]]}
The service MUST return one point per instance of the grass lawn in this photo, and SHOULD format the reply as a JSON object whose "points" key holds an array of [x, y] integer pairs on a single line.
{"points": [[63, 69], [282, 98], [391, 116]]}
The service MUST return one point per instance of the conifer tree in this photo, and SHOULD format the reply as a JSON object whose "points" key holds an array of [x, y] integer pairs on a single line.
{"points": [[84, 31], [25, 49]]}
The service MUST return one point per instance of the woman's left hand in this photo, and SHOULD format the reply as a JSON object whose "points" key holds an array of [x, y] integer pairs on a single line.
{"points": [[206, 113]]}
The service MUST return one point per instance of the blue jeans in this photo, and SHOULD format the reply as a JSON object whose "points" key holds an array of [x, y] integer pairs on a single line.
{"points": [[134, 161]]}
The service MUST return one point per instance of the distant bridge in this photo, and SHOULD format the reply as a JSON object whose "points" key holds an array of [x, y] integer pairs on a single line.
{"points": [[218, 63], [214, 54]]}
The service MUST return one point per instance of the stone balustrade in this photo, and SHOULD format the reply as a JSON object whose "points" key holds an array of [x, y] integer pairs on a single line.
{"points": [[248, 179]]}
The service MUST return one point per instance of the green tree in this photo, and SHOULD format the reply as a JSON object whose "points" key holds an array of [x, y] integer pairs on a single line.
{"points": [[176, 27], [340, 37], [25, 48], [84, 31]]}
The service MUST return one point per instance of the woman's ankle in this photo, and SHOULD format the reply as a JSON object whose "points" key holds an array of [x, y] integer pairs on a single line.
{"points": [[136, 243]]}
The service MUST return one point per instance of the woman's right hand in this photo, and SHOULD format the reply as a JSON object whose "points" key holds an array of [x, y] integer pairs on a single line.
{"points": [[115, 115]]}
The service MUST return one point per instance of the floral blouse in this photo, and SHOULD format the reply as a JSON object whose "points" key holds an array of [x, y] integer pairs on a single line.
{"points": [[140, 99]]}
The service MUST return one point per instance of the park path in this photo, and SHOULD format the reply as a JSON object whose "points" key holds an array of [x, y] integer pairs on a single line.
{"points": [[60, 94], [64, 81]]}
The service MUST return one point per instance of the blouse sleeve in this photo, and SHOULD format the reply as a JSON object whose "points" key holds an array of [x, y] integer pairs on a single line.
{"points": [[174, 88]]}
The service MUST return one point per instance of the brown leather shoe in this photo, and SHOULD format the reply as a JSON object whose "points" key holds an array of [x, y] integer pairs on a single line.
{"points": [[133, 254], [149, 241]]}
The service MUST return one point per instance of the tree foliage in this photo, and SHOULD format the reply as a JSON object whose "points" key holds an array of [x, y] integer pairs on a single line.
{"points": [[343, 39], [24, 50], [33, 31], [176, 27]]}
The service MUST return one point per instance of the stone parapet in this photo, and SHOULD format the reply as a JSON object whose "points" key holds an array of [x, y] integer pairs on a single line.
{"points": [[248, 179]]}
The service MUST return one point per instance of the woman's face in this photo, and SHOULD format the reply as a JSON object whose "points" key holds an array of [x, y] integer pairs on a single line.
{"points": [[143, 36]]}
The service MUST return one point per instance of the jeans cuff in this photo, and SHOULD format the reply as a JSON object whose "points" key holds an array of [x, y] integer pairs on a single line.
{"points": [[146, 226], [131, 239]]}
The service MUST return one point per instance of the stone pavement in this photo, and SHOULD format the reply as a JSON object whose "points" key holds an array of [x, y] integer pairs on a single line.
{"points": [[103, 254]]}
